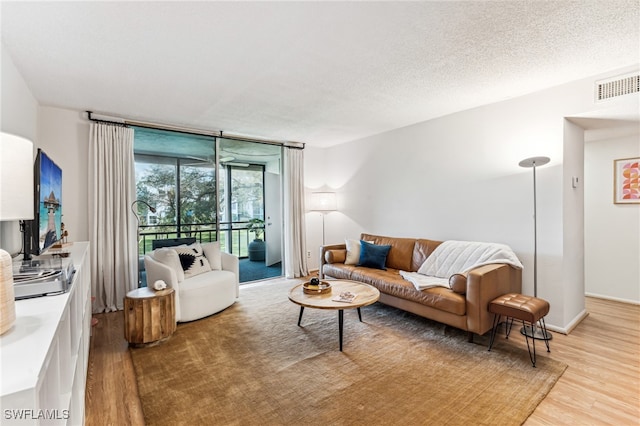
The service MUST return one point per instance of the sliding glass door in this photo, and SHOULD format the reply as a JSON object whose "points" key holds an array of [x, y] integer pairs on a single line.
{"points": [[251, 187], [236, 200]]}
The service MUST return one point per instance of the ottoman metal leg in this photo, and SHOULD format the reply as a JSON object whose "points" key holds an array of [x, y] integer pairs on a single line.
{"points": [[507, 327], [546, 333], [526, 336]]}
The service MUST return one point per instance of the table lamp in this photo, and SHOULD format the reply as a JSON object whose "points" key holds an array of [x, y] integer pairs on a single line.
{"points": [[16, 203]]}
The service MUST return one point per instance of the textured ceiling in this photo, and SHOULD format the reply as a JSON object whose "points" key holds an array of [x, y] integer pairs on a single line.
{"points": [[316, 72]]}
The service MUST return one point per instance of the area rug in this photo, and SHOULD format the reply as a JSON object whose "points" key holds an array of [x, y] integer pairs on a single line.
{"points": [[252, 365]]}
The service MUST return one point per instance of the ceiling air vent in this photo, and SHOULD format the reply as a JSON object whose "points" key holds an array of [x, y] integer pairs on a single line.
{"points": [[617, 86]]}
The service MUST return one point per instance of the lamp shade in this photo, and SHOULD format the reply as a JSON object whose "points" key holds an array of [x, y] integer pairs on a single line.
{"points": [[534, 162], [16, 178], [323, 201]]}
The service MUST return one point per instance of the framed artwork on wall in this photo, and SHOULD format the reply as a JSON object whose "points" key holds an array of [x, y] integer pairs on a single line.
{"points": [[626, 181]]}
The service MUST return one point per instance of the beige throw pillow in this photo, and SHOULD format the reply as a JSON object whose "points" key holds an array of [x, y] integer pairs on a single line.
{"points": [[212, 253], [169, 257], [353, 252]]}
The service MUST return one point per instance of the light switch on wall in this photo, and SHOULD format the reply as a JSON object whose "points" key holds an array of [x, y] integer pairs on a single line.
{"points": [[574, 181]]}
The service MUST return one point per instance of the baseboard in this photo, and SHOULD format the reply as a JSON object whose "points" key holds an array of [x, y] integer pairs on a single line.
{"points": [[573, 324], [614, 299], [582, 315]]}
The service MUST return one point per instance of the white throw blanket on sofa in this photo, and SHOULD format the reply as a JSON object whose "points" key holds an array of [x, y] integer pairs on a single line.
{"points": [[421, 282], [456, 257]]}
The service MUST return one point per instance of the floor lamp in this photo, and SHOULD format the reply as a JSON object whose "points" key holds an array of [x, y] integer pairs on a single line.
{"points": [[323, 202], [534, 162], [152, 210]]}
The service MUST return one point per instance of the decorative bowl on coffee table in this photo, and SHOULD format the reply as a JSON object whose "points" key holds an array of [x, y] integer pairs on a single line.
{"points": [[322, 288]]}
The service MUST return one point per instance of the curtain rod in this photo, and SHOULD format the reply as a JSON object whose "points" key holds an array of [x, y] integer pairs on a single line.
{"points": [[219, 134]]}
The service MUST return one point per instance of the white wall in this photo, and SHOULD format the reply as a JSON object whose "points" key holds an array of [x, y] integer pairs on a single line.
{"points": [[19, 116], [572, 283], [64, 136], [19, 106], [612, 231], [457, 177], [315, 181]]}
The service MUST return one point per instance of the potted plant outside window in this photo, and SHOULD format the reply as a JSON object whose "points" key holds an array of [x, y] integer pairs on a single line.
{"points": [[257, 246]]}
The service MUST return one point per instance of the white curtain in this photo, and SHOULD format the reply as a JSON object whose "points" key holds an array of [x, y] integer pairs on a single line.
{"points": [[295, 245], [112, 226]]}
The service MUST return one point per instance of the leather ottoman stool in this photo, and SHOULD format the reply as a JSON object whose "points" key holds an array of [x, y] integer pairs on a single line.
{"points": [[527, 309]]}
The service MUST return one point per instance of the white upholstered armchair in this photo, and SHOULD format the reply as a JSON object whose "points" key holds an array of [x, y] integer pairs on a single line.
{"points": [[205, 279]]}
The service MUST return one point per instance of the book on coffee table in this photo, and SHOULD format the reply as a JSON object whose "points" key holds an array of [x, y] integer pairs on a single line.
{"points": [[345, 296]]}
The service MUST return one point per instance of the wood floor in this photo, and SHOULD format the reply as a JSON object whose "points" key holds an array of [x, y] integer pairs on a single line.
{"points": [[601, 386]]}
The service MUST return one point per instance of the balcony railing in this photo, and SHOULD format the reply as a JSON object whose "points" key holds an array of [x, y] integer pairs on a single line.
{"points": [[234, 236]]}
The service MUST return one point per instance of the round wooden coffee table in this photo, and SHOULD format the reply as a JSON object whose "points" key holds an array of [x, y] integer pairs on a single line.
{"points": [[366, 295]]}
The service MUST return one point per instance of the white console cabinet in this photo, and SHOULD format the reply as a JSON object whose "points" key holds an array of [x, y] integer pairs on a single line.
{"points": [[44, 356]]}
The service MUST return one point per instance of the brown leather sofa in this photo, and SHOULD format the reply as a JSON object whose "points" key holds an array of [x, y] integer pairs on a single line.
{"points": [[465, 308]]}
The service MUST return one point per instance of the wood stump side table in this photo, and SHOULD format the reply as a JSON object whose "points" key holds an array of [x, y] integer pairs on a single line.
{"points": [[149, 316]]}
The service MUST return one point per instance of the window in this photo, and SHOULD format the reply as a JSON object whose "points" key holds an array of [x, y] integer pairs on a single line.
{"points": [[176, 174]]}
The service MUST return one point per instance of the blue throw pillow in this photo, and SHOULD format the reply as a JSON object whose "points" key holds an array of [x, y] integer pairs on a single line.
{"points": [[373, 256]]}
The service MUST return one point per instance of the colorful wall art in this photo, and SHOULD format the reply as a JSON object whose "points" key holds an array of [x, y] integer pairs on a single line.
{"points": [[626, 181]]}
